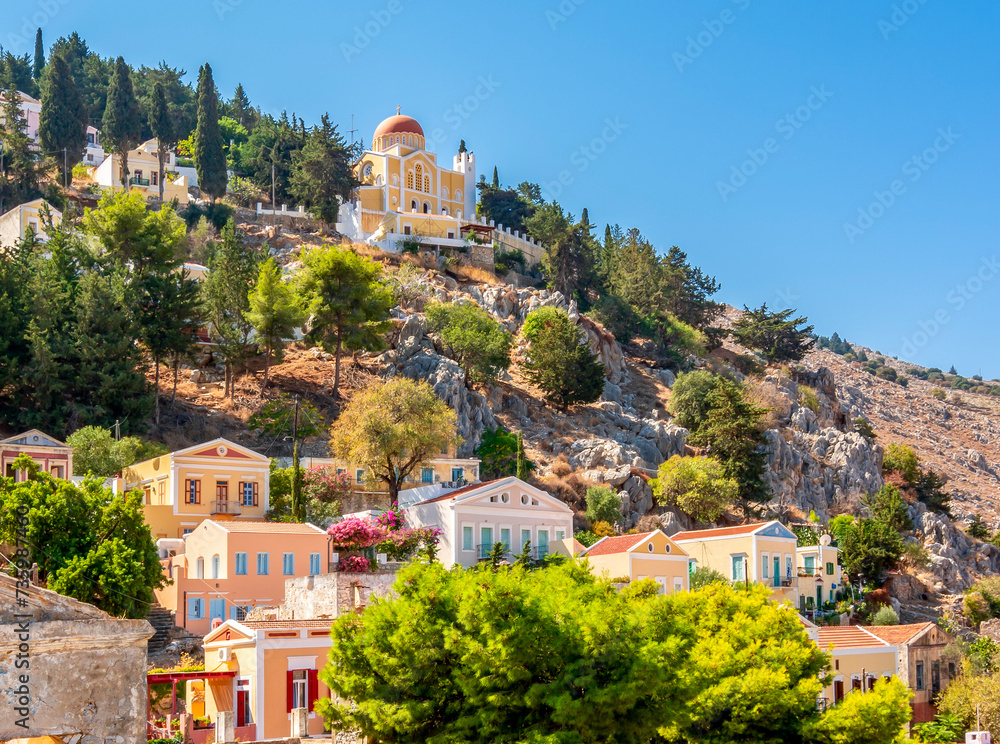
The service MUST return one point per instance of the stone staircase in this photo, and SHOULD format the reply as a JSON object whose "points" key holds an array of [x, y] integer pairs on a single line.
{"points": [[162, 621]]}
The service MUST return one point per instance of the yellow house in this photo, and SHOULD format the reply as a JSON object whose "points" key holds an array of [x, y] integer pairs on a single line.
{"points": [[219, 480], [650, 555], [144, 172], [860, 658], [276, 665], [762, 552], [406, 198], [15, 224], [819, 574]]}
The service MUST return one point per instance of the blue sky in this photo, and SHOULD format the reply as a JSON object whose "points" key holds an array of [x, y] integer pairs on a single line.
{"points": [[838, 158]]}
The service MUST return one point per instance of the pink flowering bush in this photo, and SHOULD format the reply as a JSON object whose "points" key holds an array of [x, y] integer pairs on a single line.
{"points": [[356, 534], [392, 518], [355, 564], [399, 545]]}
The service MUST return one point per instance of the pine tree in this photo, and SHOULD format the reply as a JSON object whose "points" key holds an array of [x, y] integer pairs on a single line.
{"points": [[62, 125], [209, 153], [36, 70], [321, 172], [496, 178], [20, 174], [461, 147], [162, 125], [240, 109], [121, 127], [274, 312], [776, 335], [558, 363], [585, 220]]}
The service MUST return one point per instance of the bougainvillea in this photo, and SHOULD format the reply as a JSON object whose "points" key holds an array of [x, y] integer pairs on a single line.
{"points": [[391, 518], [355, 534], [355, 564], [399, 545]]}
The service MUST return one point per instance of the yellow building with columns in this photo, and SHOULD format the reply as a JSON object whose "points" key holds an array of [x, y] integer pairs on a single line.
{"points": [[406, 197]]}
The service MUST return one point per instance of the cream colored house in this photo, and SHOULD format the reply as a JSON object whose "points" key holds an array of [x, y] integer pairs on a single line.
{"points": [[819, 574], [650, 555], [474, 518], [144, 172], [859, 659], [15, 224], [763, 553], [219, 480]]}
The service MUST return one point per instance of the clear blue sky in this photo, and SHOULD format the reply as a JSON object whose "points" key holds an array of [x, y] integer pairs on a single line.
{"points": [[646, 109]]}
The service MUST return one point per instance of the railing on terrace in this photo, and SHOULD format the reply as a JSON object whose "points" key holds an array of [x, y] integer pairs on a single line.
{"points": [[226, 507], [139, 181]]}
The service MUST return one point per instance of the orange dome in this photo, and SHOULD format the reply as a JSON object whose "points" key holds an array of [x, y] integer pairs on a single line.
{"points": [[399, 124]]}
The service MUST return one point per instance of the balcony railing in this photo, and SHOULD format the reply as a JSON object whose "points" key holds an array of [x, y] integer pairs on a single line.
{"points": [[226, 507], [136, 181]]}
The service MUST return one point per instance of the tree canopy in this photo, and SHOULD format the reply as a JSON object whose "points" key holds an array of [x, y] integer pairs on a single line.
{"points": [[473, 338], [697, 485], [559, 362], [778, 336]]}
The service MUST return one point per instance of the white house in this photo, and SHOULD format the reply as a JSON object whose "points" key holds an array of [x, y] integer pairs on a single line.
{"points": [[144, 172], [94, 154], [474, 518]]}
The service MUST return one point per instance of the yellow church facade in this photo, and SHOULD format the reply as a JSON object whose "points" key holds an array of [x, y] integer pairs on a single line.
{"points": [[406, 196]]}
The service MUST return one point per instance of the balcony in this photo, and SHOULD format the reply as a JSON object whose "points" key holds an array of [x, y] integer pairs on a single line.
{"points": [[136, 181], [226, 507]]}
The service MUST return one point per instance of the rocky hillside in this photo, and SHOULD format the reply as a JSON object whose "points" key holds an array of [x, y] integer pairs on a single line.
{"points": [[817, 462]]}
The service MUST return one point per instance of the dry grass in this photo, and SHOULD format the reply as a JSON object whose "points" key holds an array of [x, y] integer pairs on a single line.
{"points": [[561, 467], [475, 274], [766, 395]]}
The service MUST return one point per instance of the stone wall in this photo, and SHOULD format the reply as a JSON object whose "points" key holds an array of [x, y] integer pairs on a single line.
{"points": [[335, 594], [87, 675]]}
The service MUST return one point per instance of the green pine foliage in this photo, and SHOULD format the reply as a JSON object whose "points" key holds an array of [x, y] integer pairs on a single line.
{"points": [[121, 127], [62, 124], [20, 174], [273, 311], [499, 452], [559, 362], [96, 451], [321, 171], [161, 123], [473, 338], [39, 59], [209, 155], [777, 336]]}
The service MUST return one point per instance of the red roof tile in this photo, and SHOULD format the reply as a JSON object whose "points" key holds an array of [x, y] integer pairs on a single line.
{"points": [[458, 492], [897, 633], [291, 624], [285, 528], [847, 636], [619, 544], [743, 529]]}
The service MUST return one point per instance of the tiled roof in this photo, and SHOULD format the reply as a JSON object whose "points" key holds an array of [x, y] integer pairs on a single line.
{"points": [[618, 544], [743, 529], [270, 528], [291, 624], [897, 633], [458, 492], [847, 636]]}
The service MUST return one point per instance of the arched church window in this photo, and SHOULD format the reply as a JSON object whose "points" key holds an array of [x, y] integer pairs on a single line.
{"points": [[420, 176], [409, 179], [427, 208], [427, 184]]}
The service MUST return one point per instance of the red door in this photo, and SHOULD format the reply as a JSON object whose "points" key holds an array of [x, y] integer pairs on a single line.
{"points": [[243, 707]]}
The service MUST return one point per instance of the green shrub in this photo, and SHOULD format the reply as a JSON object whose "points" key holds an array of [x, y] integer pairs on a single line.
{"points": [[473, 338], [603, 505], [864, 427], [808, 398], [558, 362], [885, 616], [586, 538], [977, 528], [617, 316], [689, 398], [902, 459], [703, 576], [697, 485], [938, 393]]}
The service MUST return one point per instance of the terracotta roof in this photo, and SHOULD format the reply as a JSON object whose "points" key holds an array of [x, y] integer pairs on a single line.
{"points": [[274, 624], [399, 124], [271, 528], [743, 529], [457, 492], [847, 636], [897, 633], [619, 544]]}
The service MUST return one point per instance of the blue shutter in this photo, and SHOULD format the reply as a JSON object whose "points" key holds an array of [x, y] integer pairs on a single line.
{"points": [[217, 608], [262, 564], [232, 612], [314, 564], [193, 609]]}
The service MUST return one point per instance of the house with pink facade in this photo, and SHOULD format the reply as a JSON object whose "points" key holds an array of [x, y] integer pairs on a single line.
{"points": [[472, 519]]}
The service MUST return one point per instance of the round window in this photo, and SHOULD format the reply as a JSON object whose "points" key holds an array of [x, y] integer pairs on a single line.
{"points": [[505, 497], [668, 547], [524, 498], [650, 547], [222, 450]]}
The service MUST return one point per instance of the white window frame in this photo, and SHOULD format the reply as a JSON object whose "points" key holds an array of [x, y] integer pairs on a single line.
{"points": [[472, 538], [266, 563], [765, 559], [315, 559], [216, 566], [238, 565], [288, 564], [199, 568], [732, 566], [507, 543]]}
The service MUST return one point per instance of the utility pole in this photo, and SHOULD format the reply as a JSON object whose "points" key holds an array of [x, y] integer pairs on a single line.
{"points": [[298, 508], [118, 433], [65, 172]]}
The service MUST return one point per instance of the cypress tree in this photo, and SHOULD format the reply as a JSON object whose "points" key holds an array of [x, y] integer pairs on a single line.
{"points": [[209, 154], [36, 70], [121, 127], [162, 125], [62, 124], [461, 147], [522, 460], [585, 219], [496, 178]]}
